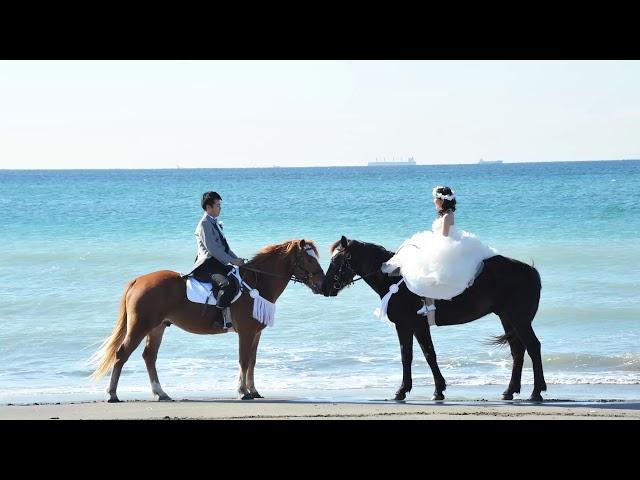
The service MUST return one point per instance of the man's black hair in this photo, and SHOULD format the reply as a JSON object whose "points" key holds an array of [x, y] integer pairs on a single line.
{"points": [[208, 198]]}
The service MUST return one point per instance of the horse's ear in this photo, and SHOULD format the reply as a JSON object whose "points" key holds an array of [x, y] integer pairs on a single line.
{"points": [[302, 243], [344, 241]]}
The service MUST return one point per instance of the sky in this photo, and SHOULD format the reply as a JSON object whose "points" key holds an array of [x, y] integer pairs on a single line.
{"points": [[219, 114]]}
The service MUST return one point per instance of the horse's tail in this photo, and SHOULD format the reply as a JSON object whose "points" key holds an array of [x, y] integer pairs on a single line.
{"points": [[528, 304], [533, 309], [105, 357], [538, 280], [502, 339]]}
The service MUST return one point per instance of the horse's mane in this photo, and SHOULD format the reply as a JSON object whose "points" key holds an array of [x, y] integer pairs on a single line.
{"points": [[280, 249], [334, 246], [378, 251]]}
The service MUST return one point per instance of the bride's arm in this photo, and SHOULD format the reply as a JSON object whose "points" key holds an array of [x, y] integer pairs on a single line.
{"points": [[447, 220]]}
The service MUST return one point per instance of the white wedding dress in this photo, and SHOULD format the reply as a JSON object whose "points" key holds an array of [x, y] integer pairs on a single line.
{"points": [[439, 267]]}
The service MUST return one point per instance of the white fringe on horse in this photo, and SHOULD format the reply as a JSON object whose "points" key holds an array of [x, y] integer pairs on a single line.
{"points": [[382, 312], [263, 310]]}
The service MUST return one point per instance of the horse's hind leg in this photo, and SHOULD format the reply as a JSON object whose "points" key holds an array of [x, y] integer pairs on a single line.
{"points": [[252, 364], [135, 334], [517, 353], [532, 344], [423, 335], [150, 354]]}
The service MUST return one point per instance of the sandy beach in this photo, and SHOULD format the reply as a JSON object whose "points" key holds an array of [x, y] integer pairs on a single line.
{"points": [[293, 409]]}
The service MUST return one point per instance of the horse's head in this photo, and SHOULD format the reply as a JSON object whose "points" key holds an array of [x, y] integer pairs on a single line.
{"points": [[340, 272], [306, 265]]}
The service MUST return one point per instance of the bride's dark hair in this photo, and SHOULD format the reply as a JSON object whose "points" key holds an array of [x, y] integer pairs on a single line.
{"points": [[447, 205]]}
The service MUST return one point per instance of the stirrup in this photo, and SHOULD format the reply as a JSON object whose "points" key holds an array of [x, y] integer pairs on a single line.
{"points": [[226, 318]]}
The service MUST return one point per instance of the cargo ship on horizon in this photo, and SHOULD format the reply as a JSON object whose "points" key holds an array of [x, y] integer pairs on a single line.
{"points": [[489, 161], [384, 163]]}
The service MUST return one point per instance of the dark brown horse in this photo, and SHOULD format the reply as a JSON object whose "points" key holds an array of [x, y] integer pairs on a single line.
{"points": [[506, 287], [152, 302]]}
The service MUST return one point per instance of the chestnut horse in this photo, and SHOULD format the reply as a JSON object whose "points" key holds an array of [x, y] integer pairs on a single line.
{"points": [[152, 302], [506, 287]]}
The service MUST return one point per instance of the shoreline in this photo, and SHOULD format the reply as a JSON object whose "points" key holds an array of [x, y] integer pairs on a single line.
{"points": [[421, 393], [298, 409]]}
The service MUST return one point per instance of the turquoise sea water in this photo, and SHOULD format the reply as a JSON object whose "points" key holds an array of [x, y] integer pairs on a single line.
{"points": [[71, 240]]}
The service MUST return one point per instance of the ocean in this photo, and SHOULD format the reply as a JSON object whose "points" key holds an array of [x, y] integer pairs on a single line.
{"points": [[71, 239]]}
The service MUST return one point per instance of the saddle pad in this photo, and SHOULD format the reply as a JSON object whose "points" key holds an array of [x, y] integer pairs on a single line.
{"points": [[198, 292]]}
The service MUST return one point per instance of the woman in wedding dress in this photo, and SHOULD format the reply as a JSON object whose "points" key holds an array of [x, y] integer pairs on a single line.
{"points": [[441, 263]]}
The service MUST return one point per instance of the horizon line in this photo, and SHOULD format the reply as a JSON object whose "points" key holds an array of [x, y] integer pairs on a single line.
{"points": [[178, 167]]}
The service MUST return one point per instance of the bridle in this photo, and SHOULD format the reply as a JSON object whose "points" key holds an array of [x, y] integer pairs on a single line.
{"points": [[346, 270], [308, 273], [295, 277]]}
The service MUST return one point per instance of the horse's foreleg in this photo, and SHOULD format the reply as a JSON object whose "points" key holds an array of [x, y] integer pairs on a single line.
{"points": [[150, 354], [423, 335], [252, 364], [246, 341], [130, 343], [405, 336]]}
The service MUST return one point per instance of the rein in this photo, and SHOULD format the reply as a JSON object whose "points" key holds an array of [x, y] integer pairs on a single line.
{"points": [[363, 276], [338, 282], [292, 277]]}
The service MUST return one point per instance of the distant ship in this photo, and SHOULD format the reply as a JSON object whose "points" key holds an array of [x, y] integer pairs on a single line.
{"points": [[489, 161], [399, 163]]}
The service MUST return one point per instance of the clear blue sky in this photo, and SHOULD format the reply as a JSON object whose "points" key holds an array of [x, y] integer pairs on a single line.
{"points": [[159, 114]]}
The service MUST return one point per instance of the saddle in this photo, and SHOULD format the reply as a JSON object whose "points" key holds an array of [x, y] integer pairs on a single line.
{"points": [[209, 293]]}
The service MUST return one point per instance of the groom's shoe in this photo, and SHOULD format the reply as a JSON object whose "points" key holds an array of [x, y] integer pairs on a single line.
{"points": [[219, 280]]}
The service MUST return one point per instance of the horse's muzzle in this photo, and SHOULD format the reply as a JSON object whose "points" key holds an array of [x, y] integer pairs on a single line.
{"points": [[317, 287], [328, 289]]}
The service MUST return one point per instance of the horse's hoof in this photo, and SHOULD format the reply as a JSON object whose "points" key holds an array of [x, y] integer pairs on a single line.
{"points": [[256, 395], [507, 396], [400, 396], [437, 396], [246, 396], [165, 398], [113, 400], [535, 397]]}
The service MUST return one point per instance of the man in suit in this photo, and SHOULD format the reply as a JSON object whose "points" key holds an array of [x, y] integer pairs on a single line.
{"points": [[215, 259]]}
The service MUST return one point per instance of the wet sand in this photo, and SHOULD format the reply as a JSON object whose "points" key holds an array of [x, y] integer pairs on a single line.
{"points": [[295, 409]]}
